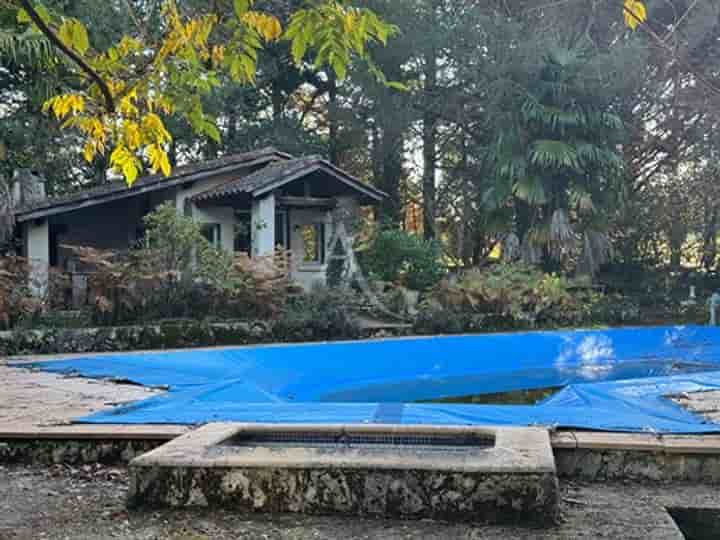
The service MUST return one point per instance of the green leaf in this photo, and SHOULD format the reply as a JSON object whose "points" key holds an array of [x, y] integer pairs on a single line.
{"points": [[212, 131], [338, 65], [241, 7], [23, 17], [80, 37], [396, 85], [43, 13], [73, 34], [298, 48]]}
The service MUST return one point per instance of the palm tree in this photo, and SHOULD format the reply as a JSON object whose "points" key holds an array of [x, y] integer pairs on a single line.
{"points": [[555, 159]]}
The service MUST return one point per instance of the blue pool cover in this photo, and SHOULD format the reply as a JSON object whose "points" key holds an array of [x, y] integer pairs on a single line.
{"points": [[613, 380]]}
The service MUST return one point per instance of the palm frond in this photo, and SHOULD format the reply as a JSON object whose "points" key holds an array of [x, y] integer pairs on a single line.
{"points": [[530, 189], [596, 251], [553, 118], [555, 154], [26, 47]]}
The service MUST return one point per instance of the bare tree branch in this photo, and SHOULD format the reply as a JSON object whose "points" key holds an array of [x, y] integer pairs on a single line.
{"points": [[649, 31]]}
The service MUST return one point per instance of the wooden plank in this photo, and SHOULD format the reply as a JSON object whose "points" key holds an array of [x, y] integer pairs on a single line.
{"points": [[307, 202]]}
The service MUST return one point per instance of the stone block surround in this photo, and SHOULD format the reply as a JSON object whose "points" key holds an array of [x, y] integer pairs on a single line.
{"points": [[509, 480]]}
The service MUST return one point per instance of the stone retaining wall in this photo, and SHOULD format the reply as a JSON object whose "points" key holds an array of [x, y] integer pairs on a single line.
{"points": [[170, 335], [593, 465], [600, 465], [73, 452], [127, 338]]}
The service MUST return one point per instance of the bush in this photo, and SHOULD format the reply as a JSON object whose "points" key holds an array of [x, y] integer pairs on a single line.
{"points": [[244, 285], [17, 304], [321, 315], [401, 257], [177, 274], [510, 295]]}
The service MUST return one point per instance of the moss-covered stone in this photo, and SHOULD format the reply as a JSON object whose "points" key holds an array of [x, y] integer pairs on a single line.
{"points": [[484, 497], [598, 465], [170, 335], [73, 452]]}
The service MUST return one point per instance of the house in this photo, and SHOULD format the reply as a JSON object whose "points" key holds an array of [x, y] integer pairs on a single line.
{"points": [[249, 202]]}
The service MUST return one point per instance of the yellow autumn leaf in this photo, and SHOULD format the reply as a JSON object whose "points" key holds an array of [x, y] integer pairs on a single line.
{"points": [[635, 13], [64, 104], [349, 22], [127, 104], [132, 135], [266, 25], [158, 159], [154, 129], [130, 171], [89, 151], [95, 128], [124, 161], [165, 164], [218, 54]]}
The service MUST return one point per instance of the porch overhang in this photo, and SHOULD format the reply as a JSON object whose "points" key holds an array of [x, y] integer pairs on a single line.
{"points": [[276, 176]]}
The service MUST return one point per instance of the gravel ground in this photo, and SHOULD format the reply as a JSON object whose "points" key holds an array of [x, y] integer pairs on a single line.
{"points": [[87, 503]]}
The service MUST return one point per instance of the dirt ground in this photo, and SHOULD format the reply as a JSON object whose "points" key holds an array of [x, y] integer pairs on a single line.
{"points": [[87, 503]]}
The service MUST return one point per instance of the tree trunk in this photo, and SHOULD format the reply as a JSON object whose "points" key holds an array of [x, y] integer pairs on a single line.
{"points": [[430, 144], [391, 152], [390, 179], [709, 254], [333, 121]]}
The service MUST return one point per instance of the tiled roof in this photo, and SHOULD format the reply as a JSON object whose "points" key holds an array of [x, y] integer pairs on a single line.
{"points": [[184, 173], [277, 174]]}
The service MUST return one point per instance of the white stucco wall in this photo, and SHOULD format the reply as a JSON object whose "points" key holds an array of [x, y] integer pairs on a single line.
{"points": [[222, 215], [263, 226], [307, 274], [37, 242]]}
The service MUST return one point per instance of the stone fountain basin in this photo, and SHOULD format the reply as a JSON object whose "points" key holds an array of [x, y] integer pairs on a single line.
{"points": [[459, 473]]}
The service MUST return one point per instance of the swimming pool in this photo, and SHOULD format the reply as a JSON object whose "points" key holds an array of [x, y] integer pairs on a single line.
{"points": [[381, 381]]}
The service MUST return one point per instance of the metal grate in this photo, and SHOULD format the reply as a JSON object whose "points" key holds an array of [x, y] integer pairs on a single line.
{"points": [[341, 440]]}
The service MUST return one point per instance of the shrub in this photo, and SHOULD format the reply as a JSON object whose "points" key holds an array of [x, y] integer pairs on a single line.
{"points": [[16, 300], [323, 314], [398, 256], [177, 273], [434, 319], [511, 295], [113, 285], [244, 285]]}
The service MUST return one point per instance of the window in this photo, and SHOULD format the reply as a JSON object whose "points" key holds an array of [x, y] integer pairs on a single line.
{"points": [[243, 233], [211, 233], [313, 236], [281, 230]]}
